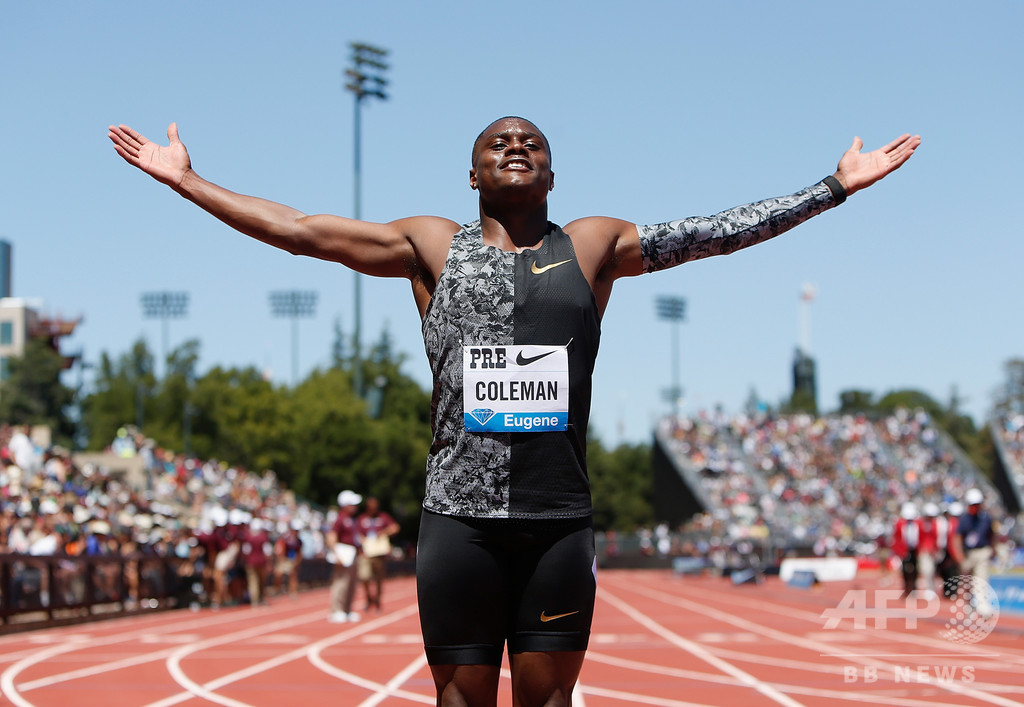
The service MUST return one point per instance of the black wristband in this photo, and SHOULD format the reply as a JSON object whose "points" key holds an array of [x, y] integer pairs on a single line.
{"points": [[836, 187]]}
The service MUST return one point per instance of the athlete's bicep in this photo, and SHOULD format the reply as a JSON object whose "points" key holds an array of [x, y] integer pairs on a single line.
{"points": [[395, 249]]}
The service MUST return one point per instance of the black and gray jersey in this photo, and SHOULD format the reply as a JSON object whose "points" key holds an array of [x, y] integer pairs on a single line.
{"points": [[506, 307]]}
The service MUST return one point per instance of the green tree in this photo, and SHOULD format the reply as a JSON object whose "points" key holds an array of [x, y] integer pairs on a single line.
{"points": [[856, 401], [33, 393], [171, 408], [123, 394], [621, 482], [239, 417]]}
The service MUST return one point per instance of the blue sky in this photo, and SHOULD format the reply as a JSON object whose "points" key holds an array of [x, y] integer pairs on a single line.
{"points": [[655, 110]]}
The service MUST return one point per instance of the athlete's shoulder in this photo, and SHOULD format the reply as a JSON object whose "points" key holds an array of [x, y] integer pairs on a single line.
{"points": [[608, 248], [427, 225], [598, 225]]}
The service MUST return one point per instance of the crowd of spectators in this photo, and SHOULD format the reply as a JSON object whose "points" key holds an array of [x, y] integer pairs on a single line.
{"points": [[832, 483], [231, 531]]}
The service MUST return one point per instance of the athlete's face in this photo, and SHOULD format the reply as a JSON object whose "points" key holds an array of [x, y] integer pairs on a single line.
{"points": [[511, 154]]}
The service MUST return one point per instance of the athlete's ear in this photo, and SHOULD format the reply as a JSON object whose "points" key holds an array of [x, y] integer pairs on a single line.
{"points": [[551, 185], [472, 177]]}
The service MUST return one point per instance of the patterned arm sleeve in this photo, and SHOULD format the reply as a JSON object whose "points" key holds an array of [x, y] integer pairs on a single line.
{"points": [[665, 245]]}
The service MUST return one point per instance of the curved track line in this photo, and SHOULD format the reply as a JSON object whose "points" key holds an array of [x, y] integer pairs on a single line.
{"points": [[207, 691], [313, 654], [393, 684], [699, 651], [7, 687], [77, 641]]}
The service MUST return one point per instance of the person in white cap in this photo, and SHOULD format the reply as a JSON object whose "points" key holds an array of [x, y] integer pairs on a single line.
{"points": [[905, 539], [928, 547], [343, 543], [974, 543]]}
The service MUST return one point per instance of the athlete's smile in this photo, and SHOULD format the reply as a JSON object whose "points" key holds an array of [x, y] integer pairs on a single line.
{"points": [[516, 163]]}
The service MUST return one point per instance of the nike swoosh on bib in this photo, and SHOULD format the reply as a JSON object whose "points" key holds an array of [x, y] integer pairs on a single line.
{"points": [[527, 360], [537, 271]]}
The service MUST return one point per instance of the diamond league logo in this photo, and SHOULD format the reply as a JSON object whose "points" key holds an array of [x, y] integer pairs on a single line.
{"points": [[482, 415], [973, 611]]}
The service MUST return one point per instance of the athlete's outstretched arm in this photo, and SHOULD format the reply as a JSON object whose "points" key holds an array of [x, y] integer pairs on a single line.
{"points": [[663, 245], [371, 248]]}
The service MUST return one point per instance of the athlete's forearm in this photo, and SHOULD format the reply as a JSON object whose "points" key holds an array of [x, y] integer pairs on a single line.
{"points": [[665, 245], [264, 220]]}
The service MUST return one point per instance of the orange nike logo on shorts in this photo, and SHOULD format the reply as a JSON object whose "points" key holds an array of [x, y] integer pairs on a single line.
{"points": [[545, 618]]}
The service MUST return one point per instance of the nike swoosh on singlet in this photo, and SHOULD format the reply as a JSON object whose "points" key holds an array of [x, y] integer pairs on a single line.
{"points": [[537, 271], [527, 360], [545, 618]]}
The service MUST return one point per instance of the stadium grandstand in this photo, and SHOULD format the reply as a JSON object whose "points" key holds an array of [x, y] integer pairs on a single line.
{"points": [[751, 489]]}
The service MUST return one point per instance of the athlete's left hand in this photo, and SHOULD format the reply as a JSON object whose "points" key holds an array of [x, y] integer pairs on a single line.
{"points": [[858, 169]]}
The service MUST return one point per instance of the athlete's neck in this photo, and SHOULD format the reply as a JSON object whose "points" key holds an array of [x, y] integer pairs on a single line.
{"points": [[515, 229]]}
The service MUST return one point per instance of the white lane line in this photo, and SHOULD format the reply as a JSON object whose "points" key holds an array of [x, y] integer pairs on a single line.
{"points": [[822, 648], [392, 687], [576, 698], [1007, 654], [208, 690], [699, 651], [313, 654], [839, 695], [8, 676], [76, 642]]}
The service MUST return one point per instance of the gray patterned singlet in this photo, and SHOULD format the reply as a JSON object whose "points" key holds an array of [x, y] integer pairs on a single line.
{"points": [[490, 297]]}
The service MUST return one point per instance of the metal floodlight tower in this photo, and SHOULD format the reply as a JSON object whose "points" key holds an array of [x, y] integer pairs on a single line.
{"points": [[364, 81], [164, 306], [293, 304], [673, 310], [808, 292]]}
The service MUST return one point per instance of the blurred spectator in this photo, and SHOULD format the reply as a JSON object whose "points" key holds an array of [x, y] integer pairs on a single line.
{"points": [[975, 534], [375, 529], [255, 551]]}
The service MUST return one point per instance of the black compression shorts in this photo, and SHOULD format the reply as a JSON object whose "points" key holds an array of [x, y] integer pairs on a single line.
{"points": [[482, 582]]}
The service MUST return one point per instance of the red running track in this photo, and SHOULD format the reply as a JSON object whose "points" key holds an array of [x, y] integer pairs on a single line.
{"points": [[659, 639]]}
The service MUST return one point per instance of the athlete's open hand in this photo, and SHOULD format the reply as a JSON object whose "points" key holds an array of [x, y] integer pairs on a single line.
{"points": [[858, 169], [167, 164]]}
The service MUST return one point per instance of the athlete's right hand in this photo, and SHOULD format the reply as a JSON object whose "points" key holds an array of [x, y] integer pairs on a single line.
{"points": [[167, 164]]}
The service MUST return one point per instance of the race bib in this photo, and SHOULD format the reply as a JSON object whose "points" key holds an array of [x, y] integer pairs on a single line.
{"points": [[515, 388]]}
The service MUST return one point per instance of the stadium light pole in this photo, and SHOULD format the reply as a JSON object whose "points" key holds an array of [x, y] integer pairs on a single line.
{"points": [[364, 81], [293, 304], [807, 294], [164, 305], [673, 309]]}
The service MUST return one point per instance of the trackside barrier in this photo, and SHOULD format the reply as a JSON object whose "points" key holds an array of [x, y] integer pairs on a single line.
{"points": [[1009, 588], [824, 569], [38, 591]]}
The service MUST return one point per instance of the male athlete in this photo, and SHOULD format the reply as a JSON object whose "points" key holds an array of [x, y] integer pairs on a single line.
{"points": [[511, 307]]}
